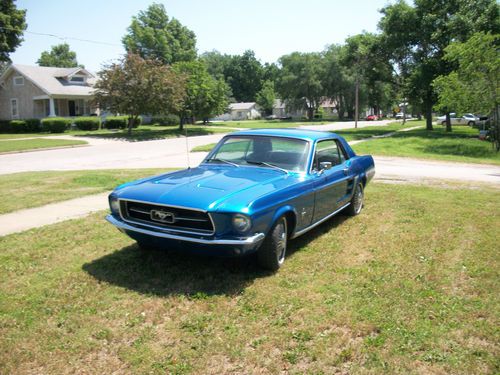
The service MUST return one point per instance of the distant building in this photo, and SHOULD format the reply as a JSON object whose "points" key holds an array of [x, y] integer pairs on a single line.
{"points": [[37, 92], [241, 111]]}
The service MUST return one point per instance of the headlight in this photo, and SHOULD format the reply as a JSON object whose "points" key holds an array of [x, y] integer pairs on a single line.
{"points": [[241, 223], [114, 205]]}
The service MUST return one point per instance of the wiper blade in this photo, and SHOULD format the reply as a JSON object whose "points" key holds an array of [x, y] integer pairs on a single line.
{"points": [[223, 161], [267, 165]]}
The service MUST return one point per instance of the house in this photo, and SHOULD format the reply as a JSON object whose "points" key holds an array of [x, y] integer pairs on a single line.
{"points": [[280, 109], [240, 111], [37, 92]]}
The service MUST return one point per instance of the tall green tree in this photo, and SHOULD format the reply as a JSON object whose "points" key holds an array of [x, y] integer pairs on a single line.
{"points": [[244, 76], [266, 97], [415, 37], [205, 95], [60, 56], [300, 83], [136, 86], [474, 85], [12, 26], [153, 35]]}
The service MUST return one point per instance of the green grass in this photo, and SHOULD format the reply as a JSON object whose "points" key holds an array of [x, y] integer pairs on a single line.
{"points": [[261, 124], [461, 145], [33, 189], [407, 287], [203, 148], [36, 143]]}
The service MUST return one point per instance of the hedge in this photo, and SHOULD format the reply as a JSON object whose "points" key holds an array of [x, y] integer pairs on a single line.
{"points": [[119, 122], [165, 120], [55, 124], [20, 126], [87, 123]]}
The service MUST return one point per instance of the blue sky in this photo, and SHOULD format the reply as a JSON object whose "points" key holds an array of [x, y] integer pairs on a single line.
{"points": [[271, 28]]}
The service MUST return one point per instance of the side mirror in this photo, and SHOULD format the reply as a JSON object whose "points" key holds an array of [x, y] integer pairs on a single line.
{"points": [[325, 165]]}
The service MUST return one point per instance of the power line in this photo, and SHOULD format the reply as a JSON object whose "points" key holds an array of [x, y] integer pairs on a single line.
{"points": [[63, 38]]}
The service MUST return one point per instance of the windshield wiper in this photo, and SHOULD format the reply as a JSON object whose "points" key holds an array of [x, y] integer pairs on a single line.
{"points": [[223, 161], [267, 165]]}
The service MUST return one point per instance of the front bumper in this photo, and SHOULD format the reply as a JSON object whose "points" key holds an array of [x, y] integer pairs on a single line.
{"points": [[243, 242]]}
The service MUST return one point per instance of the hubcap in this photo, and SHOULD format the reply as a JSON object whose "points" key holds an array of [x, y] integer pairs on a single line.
{"points": [[358, 201], [281, 245]]}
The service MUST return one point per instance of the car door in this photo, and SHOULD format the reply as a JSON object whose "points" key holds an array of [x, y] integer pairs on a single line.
{"points": [[331, 184]]}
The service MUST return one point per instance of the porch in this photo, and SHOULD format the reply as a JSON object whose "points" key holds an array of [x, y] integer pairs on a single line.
{"points": [[62, 107]]}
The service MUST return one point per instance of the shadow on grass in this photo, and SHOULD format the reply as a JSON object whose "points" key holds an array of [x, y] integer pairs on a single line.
{"points": [[149, 134], [165, 273]]}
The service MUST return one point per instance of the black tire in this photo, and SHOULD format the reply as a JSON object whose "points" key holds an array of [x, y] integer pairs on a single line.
{"points": [[471, 123], [272, 252], [356, 201]]}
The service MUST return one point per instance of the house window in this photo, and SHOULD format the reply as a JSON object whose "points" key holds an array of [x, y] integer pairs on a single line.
{"points": [[19, 81], [14, 110], [77, 79]]}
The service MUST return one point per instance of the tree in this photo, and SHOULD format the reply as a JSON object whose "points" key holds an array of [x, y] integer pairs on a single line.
{"points": [[266, 97], [12, 25], [136, 86], [205, 95], [60, 56], [414, 38], [300, 83], [473, 86], [244, 76], [153, 35]]}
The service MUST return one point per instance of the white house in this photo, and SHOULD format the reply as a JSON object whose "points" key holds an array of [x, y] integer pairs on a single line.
{"points": [[241, 111], [36, 91]]}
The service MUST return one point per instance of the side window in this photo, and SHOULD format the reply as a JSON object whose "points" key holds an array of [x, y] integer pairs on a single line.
{"points": [[328, 151]]}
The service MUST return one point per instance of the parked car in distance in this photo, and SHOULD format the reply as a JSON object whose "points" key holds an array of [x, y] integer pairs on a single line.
{"points": [[467, 119], [371, 118], [254, 191]]}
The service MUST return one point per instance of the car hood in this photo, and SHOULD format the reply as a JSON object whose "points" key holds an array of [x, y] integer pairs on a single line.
{"points": [[208, 187]]}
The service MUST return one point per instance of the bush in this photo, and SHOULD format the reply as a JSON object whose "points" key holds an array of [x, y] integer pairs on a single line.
{"points": [[166, 120], [55, 124], [119, 122], [4, 126], [87, 123], [18, 126], [33, 125]]}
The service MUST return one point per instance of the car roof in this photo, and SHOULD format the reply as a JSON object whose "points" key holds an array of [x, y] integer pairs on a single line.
{"points": [[308, 135]]}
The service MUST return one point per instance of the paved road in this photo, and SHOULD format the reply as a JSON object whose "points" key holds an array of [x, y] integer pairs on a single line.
{"points": [[171, 153]]}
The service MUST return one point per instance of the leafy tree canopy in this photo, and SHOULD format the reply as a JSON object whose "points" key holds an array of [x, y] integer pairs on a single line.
{"points": [[136, 86], [266, 97], [60, 56], [12, 26], [153, 35]]}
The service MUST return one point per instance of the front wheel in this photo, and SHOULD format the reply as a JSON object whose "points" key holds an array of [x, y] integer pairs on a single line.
{"points": [[356, 201], [271, 254], [471, 123]]}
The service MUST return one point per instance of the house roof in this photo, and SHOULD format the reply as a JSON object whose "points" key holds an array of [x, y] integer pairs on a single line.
{"points": [[241, 106], [53, 81]]}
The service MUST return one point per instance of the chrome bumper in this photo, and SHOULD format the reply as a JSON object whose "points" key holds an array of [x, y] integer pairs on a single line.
{"points": [[241, 241]]}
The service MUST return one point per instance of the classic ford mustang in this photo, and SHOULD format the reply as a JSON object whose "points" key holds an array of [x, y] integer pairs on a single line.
{"points": [[252, 193]]}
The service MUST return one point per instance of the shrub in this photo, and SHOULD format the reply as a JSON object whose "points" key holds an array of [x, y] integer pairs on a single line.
{"points": [[119, 122], [4, 126], [18, 126], [166, 120], [87, 123], [55, 124], [33, 125]]}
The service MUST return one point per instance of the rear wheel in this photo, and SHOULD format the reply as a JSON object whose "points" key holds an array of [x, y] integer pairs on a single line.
{"points": [[356, 201], [471, 123], [271, 254]]}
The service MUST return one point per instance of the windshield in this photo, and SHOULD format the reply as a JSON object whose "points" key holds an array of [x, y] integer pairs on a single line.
{"points": [[270, 152]]}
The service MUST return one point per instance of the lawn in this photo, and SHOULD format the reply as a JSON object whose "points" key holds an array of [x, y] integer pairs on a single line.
{"points": [[33, 189], [36, 143], [409, 286], [461, 145], [260, 124]]}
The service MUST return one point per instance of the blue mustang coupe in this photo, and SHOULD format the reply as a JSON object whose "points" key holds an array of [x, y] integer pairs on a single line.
{"points": [[252, 193]]}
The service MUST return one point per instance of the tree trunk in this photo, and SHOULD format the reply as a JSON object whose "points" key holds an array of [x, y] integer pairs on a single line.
{"points": [[448, 122], [130, 125], [181, 123], [356, 104], [310, 113], [428, 115]]}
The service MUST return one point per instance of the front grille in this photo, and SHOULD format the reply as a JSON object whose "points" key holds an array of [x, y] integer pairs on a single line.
{"points": [[167, 217]]}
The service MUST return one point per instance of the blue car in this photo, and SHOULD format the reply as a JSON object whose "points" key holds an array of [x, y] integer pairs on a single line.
{"points": [[252, 193]]}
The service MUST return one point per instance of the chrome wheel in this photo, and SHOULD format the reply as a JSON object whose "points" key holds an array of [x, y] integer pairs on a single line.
{"points": [[358, 200], [281, 243]]}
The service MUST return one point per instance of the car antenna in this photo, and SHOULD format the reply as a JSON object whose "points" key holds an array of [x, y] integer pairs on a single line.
{"points": [[187, 148]]}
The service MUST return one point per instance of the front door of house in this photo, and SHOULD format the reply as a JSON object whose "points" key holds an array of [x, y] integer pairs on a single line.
{"points": [[71, 107]]}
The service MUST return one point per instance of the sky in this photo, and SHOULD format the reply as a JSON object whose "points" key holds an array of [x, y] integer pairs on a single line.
{"points": [[271, 28]]}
